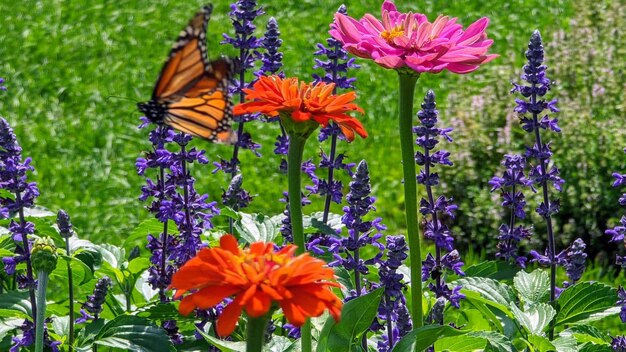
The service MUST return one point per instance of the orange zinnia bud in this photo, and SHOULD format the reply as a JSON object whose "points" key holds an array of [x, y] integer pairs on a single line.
{"points": [[256, 277], [302, 102]]}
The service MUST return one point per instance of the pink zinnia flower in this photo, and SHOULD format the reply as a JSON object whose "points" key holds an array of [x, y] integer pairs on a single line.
{"points": [[408, 39]]}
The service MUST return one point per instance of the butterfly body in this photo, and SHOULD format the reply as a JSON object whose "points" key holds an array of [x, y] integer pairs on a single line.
{"points": [[191, 93], [154, 110]]}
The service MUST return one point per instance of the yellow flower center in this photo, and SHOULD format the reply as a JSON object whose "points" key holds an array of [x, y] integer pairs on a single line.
{"points": [[392, 33]]}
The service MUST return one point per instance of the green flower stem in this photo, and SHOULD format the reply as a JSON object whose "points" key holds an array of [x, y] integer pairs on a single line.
{"points": [[42, 284], [294, 172], [407, 89], [255, 333], [70, 290]]}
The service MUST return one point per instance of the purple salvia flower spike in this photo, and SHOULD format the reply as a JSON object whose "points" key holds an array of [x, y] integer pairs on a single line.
{"points": [[436, 209], [511, 184], [272, 58], [541, 174], [13, 178]]}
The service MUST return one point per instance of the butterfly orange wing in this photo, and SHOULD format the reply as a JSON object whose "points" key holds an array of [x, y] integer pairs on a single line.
{"points": [[195, 89]]}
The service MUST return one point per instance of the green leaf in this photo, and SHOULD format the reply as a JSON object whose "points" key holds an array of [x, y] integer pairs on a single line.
{"points": [[15, 304], [600, 315], [313, 223], [586, 333], [281, 343], [485, 307], [164, 311], [496, 342], [6, 194], [489, 289], [533, 287], [541, 344], [223, 346], [565, 344], [497, 270], [230, 213], [463, 343], [9, 325], [81, 273], [138, 265], [111, 254], [256, 227], [589, 347], [61, 325], [420, 338], [583, 300], [87, 335], [138, 235], [356, 317], [144, 288], [134, 333], [38, 212], [536, 318]]}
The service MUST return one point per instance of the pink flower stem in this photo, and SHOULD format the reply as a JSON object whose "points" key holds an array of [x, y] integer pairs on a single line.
{"points": [[407, 89]]}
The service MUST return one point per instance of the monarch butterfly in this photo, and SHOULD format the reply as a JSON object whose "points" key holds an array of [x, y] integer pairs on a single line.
{"points": [[191, 93]]}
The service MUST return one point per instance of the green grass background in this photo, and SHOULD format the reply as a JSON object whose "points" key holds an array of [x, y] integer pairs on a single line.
{"points": [[75, 70]]}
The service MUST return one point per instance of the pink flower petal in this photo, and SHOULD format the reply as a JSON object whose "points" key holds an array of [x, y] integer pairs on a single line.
{"points": [[474, 32], [390, 61], [388, 6], [461, 68]]}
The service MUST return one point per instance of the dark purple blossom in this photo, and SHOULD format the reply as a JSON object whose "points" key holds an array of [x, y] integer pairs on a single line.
{"points": [[618, 232], [272, 58], [531, 110], [171, 329], [64, 224], [173, 197], [335, 62], [235, 196], [392, 311], [436, 209], [618, 344], [94, 302], [2, 86], [575, 260], [242, 14], [511, 183], [28, 338], [84, 317], [13, 178], [361, 232]]}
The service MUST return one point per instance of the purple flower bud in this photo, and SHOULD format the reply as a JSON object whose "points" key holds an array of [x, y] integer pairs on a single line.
{"points": [[94, 302], [64, 224]]}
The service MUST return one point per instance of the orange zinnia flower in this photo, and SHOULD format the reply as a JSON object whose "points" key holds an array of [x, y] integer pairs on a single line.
{"points": [[303, 102], [256, 276]]}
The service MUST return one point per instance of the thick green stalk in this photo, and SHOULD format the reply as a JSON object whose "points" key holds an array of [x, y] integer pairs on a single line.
{"points": [[255, 333], [42, 284], [407, 89], [294, 162]]}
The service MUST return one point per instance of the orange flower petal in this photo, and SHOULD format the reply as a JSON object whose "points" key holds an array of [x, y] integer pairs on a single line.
{"points": [[229, 243], [228, 319], [293, 313], [258, 304], [257, 276]]}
